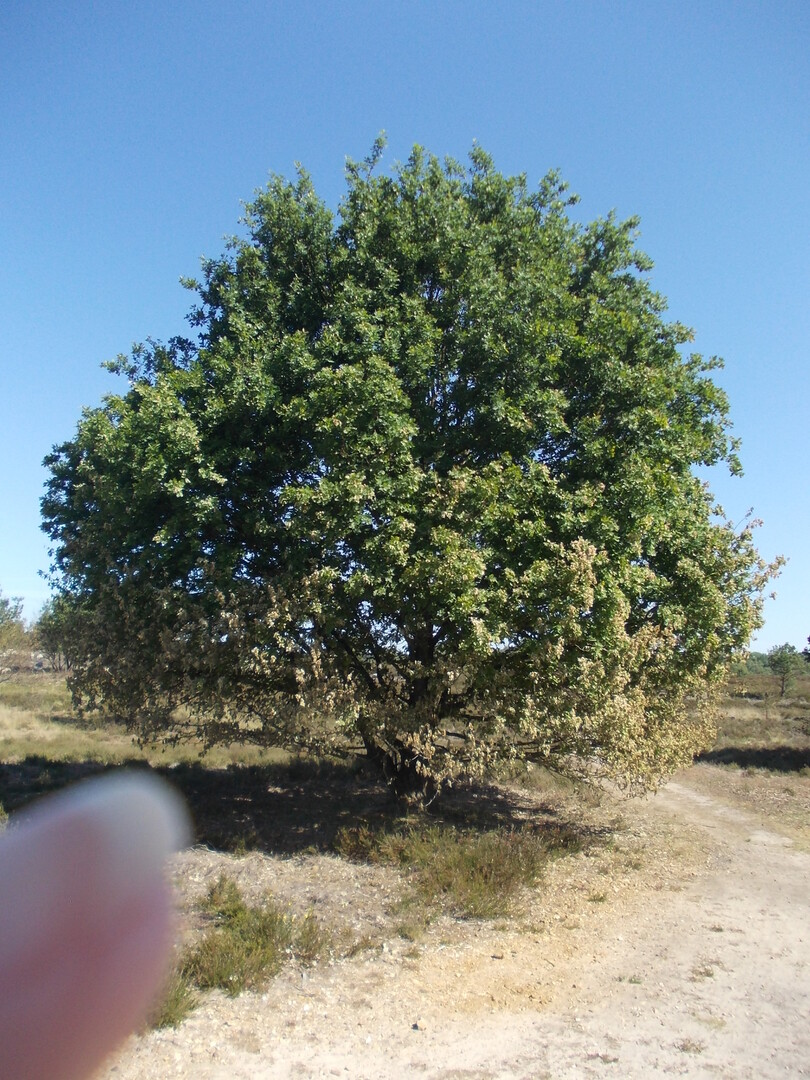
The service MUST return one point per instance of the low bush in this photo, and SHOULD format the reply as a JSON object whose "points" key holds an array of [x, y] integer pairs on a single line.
{"points": [[242, 948], [469, 875]]}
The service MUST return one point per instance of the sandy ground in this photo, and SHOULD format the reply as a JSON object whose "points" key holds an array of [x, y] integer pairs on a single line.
{"points": [[686, 953]]}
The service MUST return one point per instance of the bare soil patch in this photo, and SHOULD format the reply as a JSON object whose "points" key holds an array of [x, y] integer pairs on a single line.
{"points": [[679, 948]]}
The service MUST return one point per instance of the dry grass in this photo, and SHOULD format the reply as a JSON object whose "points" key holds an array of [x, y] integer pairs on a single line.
{"points": [[44, 745], [763, 749], [36, 715], [757, 728], [479, 853]]}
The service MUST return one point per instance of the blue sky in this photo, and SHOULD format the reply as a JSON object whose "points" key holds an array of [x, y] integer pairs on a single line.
{"points": [[131, 134]]}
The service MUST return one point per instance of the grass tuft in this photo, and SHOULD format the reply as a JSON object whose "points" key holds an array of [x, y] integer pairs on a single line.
{"points": [[178, 1001], [469, 875], [246, 946], [242, 949]]}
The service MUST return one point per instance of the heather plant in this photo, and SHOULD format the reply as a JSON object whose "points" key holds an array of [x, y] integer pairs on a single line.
{"points": [[242, 948], [466, 874]]}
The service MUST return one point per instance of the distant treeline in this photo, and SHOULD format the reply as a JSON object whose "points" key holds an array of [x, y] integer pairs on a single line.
{"points": [[783, 660]]}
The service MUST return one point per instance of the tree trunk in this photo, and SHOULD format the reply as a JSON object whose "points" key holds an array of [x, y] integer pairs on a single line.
{"points": [[402, 768]]}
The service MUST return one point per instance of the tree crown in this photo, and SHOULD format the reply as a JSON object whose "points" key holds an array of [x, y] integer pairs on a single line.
{"points": [[423, 483]]}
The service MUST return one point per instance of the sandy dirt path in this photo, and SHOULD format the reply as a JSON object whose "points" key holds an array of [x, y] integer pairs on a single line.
{"points": [[707, 975]]}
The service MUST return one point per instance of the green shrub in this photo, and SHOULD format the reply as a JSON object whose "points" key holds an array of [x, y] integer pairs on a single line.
{"points": [[476, 876], [242, 949], [470, 875], [246, 946]]}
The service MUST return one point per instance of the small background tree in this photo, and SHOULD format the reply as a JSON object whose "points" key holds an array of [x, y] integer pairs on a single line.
{"points": [[12, 627], [55, 632], [13, 636], [786, 662], [421, 487]]}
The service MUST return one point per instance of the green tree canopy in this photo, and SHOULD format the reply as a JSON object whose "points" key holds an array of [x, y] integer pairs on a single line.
{"points": [[12, 627], [422, 484], [785, 661], [13, 636], [55, 631]]}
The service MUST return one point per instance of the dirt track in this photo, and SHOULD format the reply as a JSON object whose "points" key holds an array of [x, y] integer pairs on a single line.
{"points": [[701, 969]]}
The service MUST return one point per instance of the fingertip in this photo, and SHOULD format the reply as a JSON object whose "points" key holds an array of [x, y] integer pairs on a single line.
{"points": [[85, 921]]}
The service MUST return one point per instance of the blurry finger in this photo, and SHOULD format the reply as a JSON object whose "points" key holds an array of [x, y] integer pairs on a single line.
{"points": [[85, 922]]}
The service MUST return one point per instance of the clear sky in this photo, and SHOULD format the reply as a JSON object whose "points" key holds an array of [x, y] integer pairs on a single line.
{"points": [[130, 134]]}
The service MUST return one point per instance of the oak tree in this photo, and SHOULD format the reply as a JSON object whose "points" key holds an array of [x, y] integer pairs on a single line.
{"points": [[422, 484]]}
